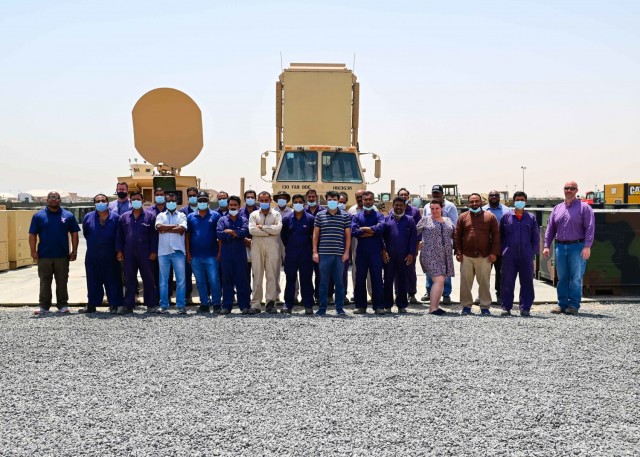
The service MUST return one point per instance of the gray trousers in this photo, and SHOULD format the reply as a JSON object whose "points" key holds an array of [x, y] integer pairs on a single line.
{"points": [[47, 270]]}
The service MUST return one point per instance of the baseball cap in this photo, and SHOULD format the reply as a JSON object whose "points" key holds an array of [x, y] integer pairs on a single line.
{"points": [[202, 194], [437, 188]]}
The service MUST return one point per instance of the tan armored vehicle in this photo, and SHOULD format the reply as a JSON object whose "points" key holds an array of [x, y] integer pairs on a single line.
{"points": [[167, 130], [317, 132]]}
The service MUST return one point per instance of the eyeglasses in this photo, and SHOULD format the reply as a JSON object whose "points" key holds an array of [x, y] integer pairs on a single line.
{"points": [[570, 188]]}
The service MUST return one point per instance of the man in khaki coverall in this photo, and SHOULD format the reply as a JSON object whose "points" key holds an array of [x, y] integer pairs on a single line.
{"points": [[477, 245], [265, 226]]}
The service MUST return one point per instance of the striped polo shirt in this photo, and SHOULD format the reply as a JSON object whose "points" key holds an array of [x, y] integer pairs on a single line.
{"points": [[332, 234]]}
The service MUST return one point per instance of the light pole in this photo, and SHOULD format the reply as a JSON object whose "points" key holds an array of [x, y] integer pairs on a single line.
{"points": [[523, 169]]}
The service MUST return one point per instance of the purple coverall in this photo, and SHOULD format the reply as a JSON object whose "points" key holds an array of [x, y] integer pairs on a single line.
{"points": [[520, 241], [138, 239]]}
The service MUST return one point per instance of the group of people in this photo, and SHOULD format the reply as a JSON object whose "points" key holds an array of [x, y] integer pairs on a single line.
{"points": [[237, 251]]}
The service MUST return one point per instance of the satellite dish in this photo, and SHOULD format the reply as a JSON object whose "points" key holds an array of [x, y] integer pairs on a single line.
{"points": [[167, 128]]}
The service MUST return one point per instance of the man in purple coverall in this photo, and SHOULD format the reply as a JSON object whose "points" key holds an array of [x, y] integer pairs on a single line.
{"points": [[411, 278], [519, 241], [137, 249]]}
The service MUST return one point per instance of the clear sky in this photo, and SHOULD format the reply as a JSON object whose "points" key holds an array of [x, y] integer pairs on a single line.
{"points": [[462, 92]]}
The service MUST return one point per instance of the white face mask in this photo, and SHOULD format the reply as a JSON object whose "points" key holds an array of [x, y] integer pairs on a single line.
{"points": [[398, 215]]}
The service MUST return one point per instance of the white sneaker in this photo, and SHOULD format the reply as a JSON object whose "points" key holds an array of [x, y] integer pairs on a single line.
{"points": [[64, 310], [41, 312]]}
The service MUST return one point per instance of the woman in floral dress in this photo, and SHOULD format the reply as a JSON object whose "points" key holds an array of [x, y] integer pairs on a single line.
{"points": [[436, 255]]}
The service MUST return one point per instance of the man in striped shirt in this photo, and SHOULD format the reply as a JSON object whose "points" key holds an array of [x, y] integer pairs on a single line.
{"points": [[331, 245]]}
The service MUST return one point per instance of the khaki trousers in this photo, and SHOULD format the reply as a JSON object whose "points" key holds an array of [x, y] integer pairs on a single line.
{"points": [[265, 263], [480, 269]]}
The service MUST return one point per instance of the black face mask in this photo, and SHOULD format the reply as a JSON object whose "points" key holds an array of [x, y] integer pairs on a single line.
{"points": [[122, 194]]}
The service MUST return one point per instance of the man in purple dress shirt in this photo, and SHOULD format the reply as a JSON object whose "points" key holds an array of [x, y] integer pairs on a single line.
{"points": [[572, 225]]}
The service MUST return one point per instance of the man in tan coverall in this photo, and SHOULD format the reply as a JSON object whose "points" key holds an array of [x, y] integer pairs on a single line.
{"points": [[265, 226], [477, 245]]}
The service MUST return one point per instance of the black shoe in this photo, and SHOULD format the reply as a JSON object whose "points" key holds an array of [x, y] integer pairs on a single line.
{"points": [[525, 313], [225, 311], [125, 310], [308, 311], [152, 309], [113, 310], [286, 310], [402, 311], [217, 309], [413, 300], [446, 300], [425, 297], [251, 311], [203, 309], [438, 312], [388, 310], [271, 307], [87, 310], [360, 311], [506, 312], [380, 311]]}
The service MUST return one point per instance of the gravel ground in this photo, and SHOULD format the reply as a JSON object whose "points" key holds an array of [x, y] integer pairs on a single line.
{"points": [[295, 385]]}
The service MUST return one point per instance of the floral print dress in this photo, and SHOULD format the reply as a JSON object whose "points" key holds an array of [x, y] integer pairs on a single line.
{"points": [[436, 256]]}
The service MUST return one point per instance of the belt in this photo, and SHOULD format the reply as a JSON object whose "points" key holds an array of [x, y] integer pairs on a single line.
{"points": [[569, 242]]}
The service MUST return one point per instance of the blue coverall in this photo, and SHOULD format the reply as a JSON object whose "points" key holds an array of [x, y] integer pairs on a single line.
{"points": [[519, 241], [368, 258], [233, 260], [102, 267], [297, 236]]}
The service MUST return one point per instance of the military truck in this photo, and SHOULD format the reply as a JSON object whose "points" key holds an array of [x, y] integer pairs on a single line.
{"points": [[317, 120]]}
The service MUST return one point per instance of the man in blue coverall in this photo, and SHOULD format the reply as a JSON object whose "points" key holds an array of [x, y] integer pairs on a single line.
{"points": [[368, 227], [297, 237], [137, 249], [400, 251], [100, 228], [232, 229], [519, 241]]}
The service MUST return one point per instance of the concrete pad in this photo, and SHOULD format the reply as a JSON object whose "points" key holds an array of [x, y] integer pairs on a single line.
{"points": [[21, 287]]}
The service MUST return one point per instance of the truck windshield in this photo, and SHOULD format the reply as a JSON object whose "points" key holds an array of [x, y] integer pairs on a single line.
{"points": [[299, 166], [340, 167]]}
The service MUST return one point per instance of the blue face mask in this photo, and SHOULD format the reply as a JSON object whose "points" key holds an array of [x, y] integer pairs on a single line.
{"points": [[282, 202], [101, 206], [332, 204], [250, 201], [233, 212], [159, 199], [193, 200], [136, 204], [298, 207], [265, 206], [368, 208], [475, 211], [223, 203], [171, 206], [520, 205], [342, 206], [312, 204], [202, 206]]}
